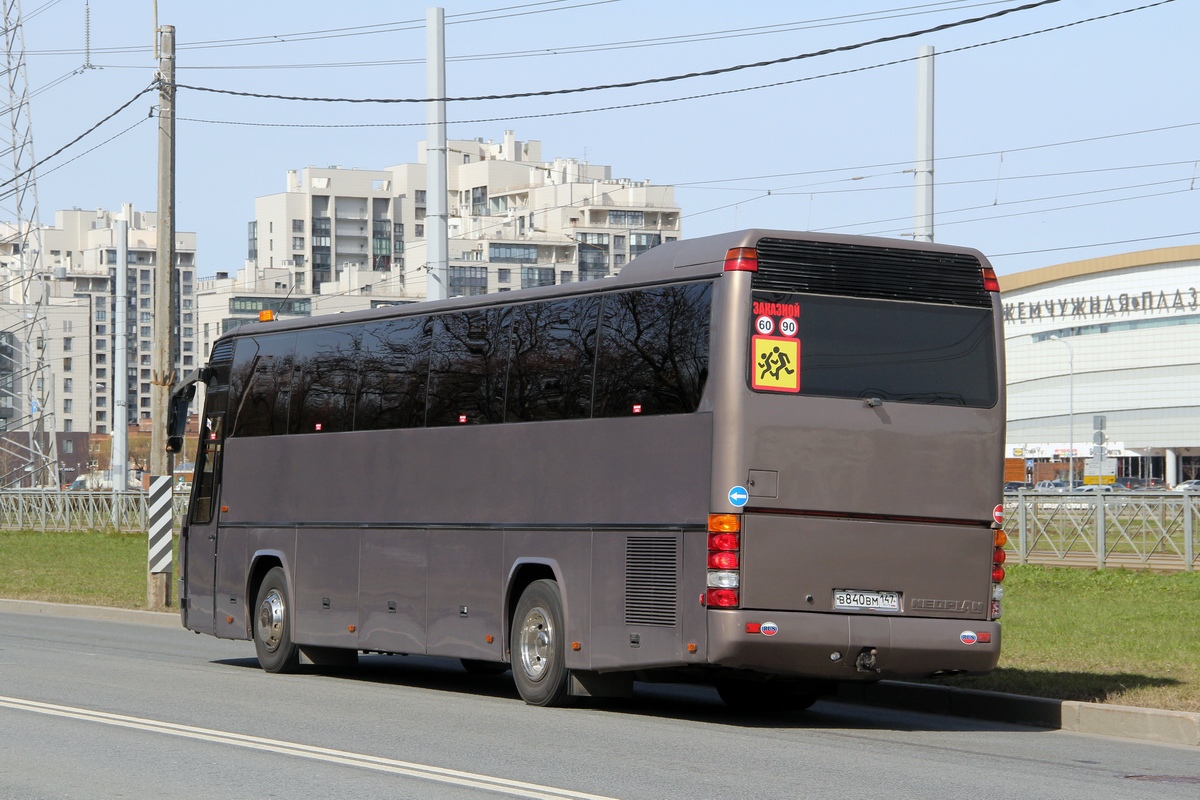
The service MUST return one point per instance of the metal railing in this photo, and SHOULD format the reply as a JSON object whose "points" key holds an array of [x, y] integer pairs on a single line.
{"points": [[1156, 530], [52, 510]]}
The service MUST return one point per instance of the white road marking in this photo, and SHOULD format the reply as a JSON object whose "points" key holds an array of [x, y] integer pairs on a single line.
{"points": [[439, 774]]}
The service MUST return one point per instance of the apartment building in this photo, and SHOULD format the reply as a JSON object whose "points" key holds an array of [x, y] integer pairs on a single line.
{"points": [[79, 261], [514, 221]]}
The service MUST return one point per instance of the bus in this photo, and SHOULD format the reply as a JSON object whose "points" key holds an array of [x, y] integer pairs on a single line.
{"points": [[764, 460]]}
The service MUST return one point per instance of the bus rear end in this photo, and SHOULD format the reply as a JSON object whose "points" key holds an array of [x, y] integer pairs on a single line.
{"points": [[859, 428]]}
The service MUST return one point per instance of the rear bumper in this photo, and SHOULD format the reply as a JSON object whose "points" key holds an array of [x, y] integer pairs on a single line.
{"points": [[805, 644]]}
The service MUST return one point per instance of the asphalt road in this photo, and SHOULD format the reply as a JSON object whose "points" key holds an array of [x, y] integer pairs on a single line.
{"points": [[96, 709]]}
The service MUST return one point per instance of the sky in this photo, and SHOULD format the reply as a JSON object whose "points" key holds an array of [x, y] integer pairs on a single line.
{"points": [[1058, 136]]}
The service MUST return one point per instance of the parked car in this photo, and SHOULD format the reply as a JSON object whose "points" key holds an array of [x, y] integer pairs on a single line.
{"points": [[1050, 486], [1188, 486], [1131, 482], [1015, 486], [1094, 488]]}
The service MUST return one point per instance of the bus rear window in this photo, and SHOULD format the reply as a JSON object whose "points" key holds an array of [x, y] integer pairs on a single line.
{"points": [[903, 352]]}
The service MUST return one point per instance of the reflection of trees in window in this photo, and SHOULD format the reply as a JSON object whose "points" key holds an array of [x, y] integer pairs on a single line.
{"points": [[653, 351], [326, 379], [395, 370], [553, 358], [468, 367], [261, 383]]}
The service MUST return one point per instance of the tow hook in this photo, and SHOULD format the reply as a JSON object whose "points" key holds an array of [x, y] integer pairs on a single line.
{"points": [[866, 660]]}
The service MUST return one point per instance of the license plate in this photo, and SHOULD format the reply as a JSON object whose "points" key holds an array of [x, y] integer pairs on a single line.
{"points": [[854, 600]]}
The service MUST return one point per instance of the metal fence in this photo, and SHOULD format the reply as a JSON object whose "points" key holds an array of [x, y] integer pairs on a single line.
{"points": [[1122, 529], [52, 510], [1156, 530]]}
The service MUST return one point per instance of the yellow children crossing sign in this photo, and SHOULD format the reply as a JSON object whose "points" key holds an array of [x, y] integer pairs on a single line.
{"points": [[776, 364]]}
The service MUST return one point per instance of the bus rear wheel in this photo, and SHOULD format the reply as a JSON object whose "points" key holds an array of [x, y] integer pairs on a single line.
{"points": [[273, 625], [536, 646]]}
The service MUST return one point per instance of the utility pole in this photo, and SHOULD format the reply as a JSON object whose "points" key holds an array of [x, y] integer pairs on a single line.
{"points": [[436, 222], [923, 216], [163, 355]]}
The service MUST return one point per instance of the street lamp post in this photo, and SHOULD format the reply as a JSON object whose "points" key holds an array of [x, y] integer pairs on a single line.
{"points": [[1070, 408]]}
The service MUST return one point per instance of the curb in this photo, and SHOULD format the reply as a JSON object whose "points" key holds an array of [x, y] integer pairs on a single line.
{"points": [[164, 618], [1125, 722]]}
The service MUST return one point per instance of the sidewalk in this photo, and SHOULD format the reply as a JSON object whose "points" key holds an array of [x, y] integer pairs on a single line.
{"points": [[1126, 722]]}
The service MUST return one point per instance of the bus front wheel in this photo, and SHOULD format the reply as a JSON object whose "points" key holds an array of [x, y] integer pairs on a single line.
{"points": [[273, 625], [536, 646]]}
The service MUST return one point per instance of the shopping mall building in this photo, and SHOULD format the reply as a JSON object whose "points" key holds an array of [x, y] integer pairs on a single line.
{"points": [[1115, 337]]}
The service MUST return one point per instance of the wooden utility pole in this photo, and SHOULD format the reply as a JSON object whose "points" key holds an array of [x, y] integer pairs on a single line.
{"points": [[162, 359]]}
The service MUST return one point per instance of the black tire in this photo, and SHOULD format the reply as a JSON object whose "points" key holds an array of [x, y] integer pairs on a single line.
{"points": [[272, 618], [765, 697], [477, 667], [536, 646]]}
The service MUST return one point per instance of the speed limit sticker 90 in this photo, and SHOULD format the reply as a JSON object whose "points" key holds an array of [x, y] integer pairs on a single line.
{"points": [[765, 325], [788, 326]]}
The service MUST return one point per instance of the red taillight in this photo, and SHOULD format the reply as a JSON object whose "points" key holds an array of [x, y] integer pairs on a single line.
{"points": [[724, 544], [997, 574], [741, 259], [990, 282], [999, 556], [723, 541], [722, 598], [722, 560]]}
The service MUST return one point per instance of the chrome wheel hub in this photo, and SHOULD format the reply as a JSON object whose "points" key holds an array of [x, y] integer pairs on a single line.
{"points": [[536, 643], [269, 629]]}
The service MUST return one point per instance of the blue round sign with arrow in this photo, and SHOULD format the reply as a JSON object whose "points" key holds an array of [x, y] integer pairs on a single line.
{"points": [[738, 496]]}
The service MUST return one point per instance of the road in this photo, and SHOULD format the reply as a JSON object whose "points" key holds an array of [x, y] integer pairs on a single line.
{"points": [[95, 709]]}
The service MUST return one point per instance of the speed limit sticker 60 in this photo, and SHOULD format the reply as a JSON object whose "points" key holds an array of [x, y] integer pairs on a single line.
{"points": [[765, 325]]}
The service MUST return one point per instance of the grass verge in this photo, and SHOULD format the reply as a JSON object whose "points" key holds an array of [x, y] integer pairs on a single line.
{"points": [[1114, 636], [1117, 636]]}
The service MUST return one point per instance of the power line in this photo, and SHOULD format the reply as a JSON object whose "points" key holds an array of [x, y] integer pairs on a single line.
{"points": [[37, 164], [643, 104], [1095, 244], [657, 41], [651, 81]]}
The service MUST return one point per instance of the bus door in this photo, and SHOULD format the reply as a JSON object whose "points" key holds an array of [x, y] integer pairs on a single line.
{"points": [[200, 546]]}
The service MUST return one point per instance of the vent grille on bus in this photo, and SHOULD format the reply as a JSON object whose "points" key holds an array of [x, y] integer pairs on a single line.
{"points": [[888, 273], [651, 580], [222, 351]]}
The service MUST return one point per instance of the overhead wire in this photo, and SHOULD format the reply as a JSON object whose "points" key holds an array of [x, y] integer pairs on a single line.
{"points": [[655, 80], [647, 103]]}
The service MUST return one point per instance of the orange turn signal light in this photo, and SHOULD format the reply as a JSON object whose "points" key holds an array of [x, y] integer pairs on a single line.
{"points": [[724, 523], [1000, 539]]}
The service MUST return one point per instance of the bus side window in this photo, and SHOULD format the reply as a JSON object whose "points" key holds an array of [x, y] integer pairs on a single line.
{"points": [[262, 384], [469, 367], [653, 351], [326, 379], [395, 372], [553, 360]]}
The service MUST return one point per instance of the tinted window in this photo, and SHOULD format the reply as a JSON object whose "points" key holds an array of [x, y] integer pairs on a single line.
{"points": [[395, 370], [897, 351], [468, 367], [261, 381], [326, 379], [653, 351], [553, 360]]}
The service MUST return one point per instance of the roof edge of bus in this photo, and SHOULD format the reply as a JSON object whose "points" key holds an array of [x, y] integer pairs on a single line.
{"points": [[709, 251]]}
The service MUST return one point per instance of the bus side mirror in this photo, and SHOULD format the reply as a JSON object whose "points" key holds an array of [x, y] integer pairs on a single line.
{"points": [[177, 414]]}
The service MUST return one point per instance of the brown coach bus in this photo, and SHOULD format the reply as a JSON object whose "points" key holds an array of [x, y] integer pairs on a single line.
{"points": [[764, 460]]}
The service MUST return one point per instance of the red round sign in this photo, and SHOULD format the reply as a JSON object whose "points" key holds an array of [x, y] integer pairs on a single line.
{"points": [[998, 514]]}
